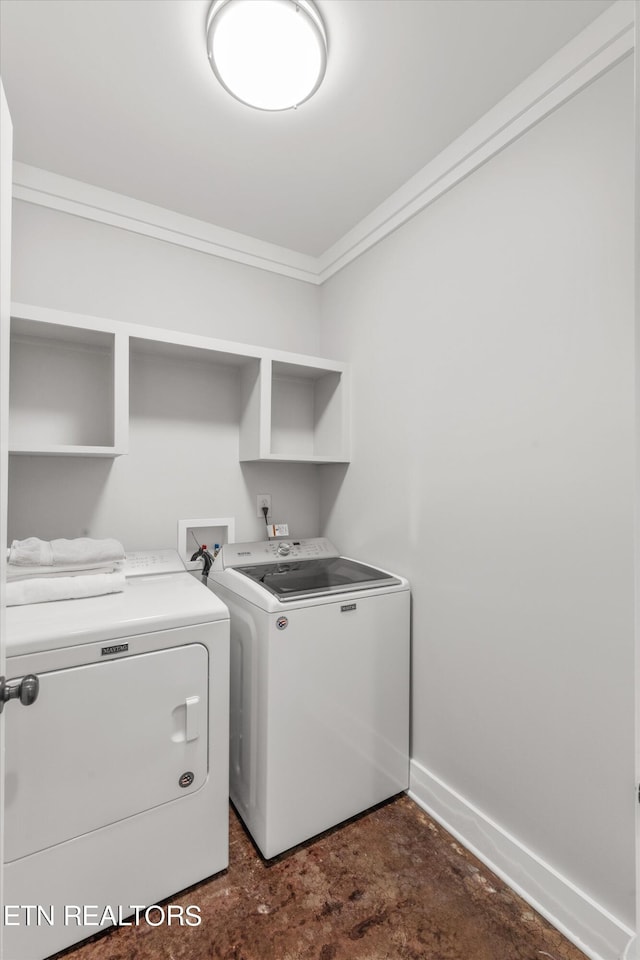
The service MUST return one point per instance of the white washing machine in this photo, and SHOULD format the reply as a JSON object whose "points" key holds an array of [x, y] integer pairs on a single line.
{"points": [[319, 686], [117, 775]]}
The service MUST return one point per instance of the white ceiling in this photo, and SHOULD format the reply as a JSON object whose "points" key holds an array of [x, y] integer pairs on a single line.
{"points": [[119, 94]]}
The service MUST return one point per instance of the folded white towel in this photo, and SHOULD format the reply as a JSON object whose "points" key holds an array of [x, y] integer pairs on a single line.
{"points": [[78, 552], [16, 571], [63, 588]]}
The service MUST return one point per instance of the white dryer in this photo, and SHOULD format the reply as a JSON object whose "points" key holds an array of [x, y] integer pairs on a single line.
{"points": [[319, 686], [117, 776]]}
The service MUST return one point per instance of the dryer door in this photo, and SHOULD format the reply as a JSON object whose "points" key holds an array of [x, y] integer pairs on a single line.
{"points": [[105, 741]]}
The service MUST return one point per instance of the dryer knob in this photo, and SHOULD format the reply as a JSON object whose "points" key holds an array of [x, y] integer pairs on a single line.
{"points": [[26, 690], [283, 549], [29, 690]]}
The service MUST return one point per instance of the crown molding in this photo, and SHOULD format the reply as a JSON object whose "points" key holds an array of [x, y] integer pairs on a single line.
{"points": [[33, 185], [605, 42], [601, 45]]}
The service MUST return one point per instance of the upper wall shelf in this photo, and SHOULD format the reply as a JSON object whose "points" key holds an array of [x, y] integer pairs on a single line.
{"points": [[69, 385], [69, 389], [294, 409]]}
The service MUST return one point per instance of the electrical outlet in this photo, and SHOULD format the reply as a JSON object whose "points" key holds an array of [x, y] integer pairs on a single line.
{"points": [[264, 500]]}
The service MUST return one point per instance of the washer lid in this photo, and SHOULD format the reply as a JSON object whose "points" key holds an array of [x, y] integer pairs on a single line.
{"points": [[304, 579], [148, 603]]}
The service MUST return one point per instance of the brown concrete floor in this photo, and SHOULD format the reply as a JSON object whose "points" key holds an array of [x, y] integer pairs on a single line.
{"points": [[389, 885]]}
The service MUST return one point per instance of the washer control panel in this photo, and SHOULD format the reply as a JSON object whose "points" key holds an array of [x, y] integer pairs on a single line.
{"points": [[268, 551]]}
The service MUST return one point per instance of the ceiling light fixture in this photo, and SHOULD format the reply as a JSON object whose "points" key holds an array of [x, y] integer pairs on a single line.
{"points": [[269, 54]]}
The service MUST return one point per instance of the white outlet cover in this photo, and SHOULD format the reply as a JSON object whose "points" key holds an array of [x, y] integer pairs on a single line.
{"points": [[261, 499]]}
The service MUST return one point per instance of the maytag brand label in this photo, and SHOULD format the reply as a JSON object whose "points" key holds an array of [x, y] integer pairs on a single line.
{"points": [[347, 606], [116, 648]]}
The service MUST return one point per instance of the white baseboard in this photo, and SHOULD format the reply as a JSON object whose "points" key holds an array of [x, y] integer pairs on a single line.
{"points": [[576, 915]]}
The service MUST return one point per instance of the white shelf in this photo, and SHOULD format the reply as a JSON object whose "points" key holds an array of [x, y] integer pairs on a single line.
{"points": [[68, 385], [295, 410], [307, 412], [64, 450], [70, 389], [297, 458]]}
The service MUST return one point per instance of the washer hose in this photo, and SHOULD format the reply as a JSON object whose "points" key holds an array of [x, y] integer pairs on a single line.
{"points": [[207, 560]]}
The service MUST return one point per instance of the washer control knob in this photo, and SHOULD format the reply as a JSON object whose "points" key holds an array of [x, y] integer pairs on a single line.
{"points": [[283, 549]]}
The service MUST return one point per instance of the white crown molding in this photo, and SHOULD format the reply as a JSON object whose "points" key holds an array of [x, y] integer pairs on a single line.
{"points": [[595, 50], [582, 920], [46, 189]]}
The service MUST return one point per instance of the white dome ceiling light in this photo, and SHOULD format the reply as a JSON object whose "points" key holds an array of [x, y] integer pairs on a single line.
{"points": [[269, 54]]}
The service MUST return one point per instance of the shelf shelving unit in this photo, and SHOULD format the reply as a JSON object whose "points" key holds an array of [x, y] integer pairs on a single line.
{"points": [[70, 389], [295, 410], [69, 386]]}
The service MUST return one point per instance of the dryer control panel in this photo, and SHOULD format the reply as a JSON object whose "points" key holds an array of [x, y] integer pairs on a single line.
{"points": [[266, 551], [146, 563]]}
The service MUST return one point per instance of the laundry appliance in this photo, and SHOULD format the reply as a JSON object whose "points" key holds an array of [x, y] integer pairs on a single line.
{"points": [[319, 686], [117, 775]]}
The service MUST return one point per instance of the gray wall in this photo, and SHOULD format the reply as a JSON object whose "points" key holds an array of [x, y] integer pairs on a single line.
{"points": [[72, 264], [492, 345], [183, 460]]}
